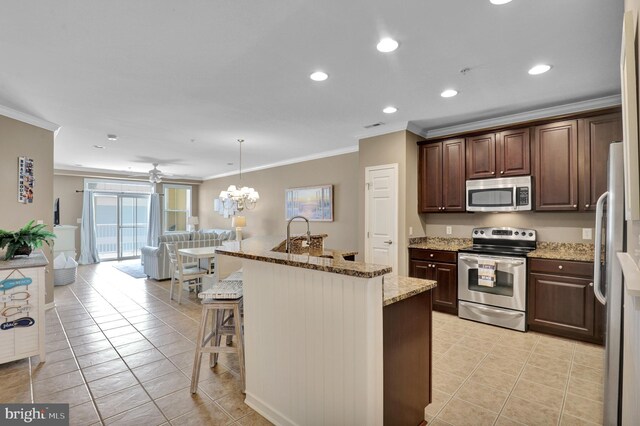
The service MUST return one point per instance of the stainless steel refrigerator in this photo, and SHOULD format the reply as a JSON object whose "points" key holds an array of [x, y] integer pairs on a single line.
{"points": [[608, 285]]}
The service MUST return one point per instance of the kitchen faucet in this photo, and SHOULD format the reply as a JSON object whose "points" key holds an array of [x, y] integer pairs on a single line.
{"points": [[288, 246]]}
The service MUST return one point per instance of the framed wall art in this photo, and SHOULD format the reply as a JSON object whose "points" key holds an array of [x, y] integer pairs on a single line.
{"points": [[313, 202], [25, 180]]}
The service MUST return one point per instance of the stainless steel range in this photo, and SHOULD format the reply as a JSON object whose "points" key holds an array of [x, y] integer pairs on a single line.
{"points": [[492, 276]]}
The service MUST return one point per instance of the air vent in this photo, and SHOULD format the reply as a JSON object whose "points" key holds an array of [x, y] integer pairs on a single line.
{"points": [[369, 126]]}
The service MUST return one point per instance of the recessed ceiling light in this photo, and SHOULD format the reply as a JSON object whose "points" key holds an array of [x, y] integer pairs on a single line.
{"points": [[387, 45], [390, 110], [319, 76], [98, 146], [499, 2], [539, 69], [112, 137], [449, 93]]}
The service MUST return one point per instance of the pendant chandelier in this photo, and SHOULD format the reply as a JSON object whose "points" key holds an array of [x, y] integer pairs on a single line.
{"points": [[238, 198]]}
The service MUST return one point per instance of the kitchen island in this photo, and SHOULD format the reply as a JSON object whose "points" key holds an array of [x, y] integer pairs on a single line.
{"points": [[326, 344]]}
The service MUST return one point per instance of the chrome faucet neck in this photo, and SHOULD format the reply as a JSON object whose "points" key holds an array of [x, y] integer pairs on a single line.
{"points": [[288, 243]]}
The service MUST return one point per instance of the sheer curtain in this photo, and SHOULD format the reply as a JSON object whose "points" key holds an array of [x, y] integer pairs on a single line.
{"points": [[154, 220], [88, 245]]}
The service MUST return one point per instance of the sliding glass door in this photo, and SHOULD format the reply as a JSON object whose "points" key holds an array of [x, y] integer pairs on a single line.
{"points": [[133, 224], [121, 224]]}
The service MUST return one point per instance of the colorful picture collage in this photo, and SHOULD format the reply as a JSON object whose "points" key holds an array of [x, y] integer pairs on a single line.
{"points": [[25, 180]]}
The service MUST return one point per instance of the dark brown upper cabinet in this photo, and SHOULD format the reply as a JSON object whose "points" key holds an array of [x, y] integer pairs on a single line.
{"points": [[441, 177], [555, 152], [500, 154], [596, 134]]}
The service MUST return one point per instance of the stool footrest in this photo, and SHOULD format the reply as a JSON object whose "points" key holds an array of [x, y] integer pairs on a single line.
{"points": [[218, 349]]}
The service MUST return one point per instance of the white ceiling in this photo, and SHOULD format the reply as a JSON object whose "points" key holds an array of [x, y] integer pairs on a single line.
{"points": [[160, 73]]}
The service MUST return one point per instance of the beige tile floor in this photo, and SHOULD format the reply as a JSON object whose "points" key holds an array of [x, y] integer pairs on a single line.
{"points": [[120, 354], [484, 375]]}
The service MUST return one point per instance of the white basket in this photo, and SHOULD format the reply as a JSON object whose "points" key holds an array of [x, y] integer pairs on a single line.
{"points": [[65, 276]]}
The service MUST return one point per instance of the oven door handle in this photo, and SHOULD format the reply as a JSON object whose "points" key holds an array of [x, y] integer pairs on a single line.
{"points": [[494, 312], [503, 262], [469, 258]]}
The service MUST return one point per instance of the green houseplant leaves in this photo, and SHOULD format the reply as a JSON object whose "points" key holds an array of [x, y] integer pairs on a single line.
{"points": [[25, 239]]}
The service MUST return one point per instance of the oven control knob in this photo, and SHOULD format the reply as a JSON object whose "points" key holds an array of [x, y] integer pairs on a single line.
{"points": [[531, 234], [517, 233], [475, 232], [482, 232]]}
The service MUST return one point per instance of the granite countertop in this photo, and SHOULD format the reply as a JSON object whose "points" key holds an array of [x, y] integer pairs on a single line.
{"points": [[336, 266], [399, 288], [563, 251], [440, 243], [34, 260]]}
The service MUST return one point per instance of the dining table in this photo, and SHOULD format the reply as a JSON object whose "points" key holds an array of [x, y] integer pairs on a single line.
{"points": [[203, 255]]}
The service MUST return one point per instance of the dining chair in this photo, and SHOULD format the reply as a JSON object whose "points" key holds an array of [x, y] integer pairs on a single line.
{"points": [[182, 272]]}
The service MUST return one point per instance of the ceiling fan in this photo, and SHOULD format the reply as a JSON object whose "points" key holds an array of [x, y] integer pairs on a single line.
{"points": [[155, 175]]}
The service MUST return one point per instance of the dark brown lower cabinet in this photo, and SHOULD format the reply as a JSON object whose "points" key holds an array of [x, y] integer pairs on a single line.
{"points": [[440, 266], [406, 337], [561, 300]]}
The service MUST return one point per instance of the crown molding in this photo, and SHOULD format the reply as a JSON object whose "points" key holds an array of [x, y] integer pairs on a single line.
{"points": [[325, 154], [591, 104], [29, 119]]}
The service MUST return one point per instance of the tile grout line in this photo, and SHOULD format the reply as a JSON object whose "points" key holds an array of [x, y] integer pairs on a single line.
{"points": [[75, 358], [93, 399], [155, 347]]}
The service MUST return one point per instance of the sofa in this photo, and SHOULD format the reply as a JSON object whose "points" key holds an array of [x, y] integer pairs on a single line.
{"points": [[155, 259]]}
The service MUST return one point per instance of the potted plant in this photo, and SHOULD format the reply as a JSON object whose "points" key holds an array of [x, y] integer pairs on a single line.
{"points": [[24, 240]]}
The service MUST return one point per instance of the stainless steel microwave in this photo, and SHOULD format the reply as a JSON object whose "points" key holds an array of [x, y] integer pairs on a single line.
{"points": [[499, 195]]}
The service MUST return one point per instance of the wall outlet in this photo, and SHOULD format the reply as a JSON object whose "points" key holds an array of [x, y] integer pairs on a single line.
{"points": [[449, 230], [39, 222], [410, 230], [79, 220], [587, 233]]}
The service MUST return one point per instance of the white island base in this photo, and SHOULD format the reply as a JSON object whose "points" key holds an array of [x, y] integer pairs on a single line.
{"points": [[313, 342]]}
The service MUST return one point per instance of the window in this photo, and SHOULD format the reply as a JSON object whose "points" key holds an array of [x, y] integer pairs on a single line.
{"points": [[177, 207]]}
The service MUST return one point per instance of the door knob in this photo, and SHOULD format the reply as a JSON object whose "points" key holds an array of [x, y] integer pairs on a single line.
{"points": [[388, 242]]}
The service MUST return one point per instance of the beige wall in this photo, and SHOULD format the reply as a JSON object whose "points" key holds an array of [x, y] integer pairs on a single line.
{"points": [[393, 148], [268, 217], [20, 139], [65, 184]]}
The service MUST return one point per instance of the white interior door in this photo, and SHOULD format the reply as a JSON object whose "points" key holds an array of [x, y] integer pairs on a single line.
{"points": [[381, 215]]}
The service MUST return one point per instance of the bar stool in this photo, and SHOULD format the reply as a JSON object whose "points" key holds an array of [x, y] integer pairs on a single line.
{"points": [[224, 302]]}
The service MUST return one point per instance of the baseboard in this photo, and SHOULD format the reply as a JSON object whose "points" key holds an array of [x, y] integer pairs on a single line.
{"points": [[266, 411], [48, 306]]}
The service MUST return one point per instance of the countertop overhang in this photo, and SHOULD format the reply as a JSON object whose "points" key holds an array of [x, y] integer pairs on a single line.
{"points": [[397, 288], [336, 266]]}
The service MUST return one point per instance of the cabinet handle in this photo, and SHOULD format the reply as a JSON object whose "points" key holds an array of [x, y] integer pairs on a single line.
{"points": [[575, 206], [431, 255], [586, 206], [493, 173], [443, 208], [590, 284], [559, 266], [501, 172]]}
